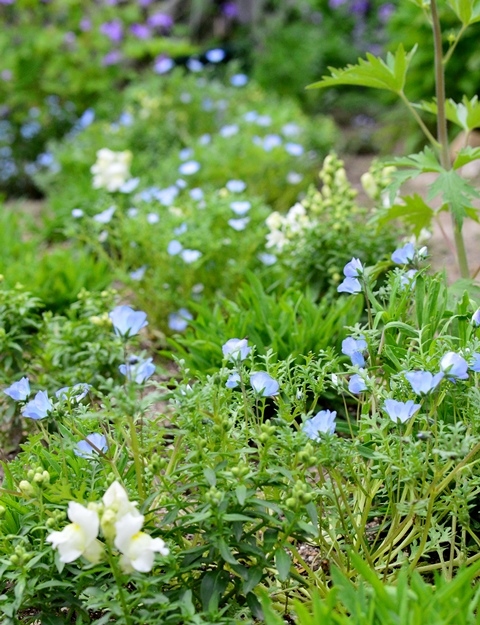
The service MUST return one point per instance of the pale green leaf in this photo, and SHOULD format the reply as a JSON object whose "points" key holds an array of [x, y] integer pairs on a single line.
{"points": [[466, 155], [467, 11], [372, 72], [465, 114], [414, 212], [456, 192]]}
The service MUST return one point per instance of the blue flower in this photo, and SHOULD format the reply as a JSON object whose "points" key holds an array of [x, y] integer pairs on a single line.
{"points": [[400, 410], [190, 256], [138, 370], [216, 55], [404, 255], [189, 168], [422, 382], [239, 224], [233, 380], [236, 186], [73, 393], [38, 407], [240, 207], [236, 349], [263, 384], [19, 391], [126, 321], [408, 278], [129, 185], [357, 384], [476, 317], [178, 321], [475, 366], [350, 285], [322, 423], [85, 448], [353, 268], [454, 366], [239, 80], [138, 273], [105, 216], [174, 247], [353, 348]]}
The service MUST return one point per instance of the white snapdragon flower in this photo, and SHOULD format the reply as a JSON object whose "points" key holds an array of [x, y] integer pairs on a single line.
{"points": [[111, 170], [79, 538], [137, 548]]}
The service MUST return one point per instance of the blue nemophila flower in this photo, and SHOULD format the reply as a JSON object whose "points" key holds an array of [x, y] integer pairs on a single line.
{"points": [[476, 317], [294, 149], [263, 384], [105, 216], [126, 321], [240, 207], [138, 273], [38, 407], [216, 55], [404, 255], [353, 268], [178, 321], [408, 278], [400, 410], [357, 384], [91, 445], [233, 380], [454, 366], [475, 366], [138, 370], [190, 256], [236, 349], [422, 382], [353, 348], [129, 185], [174, 247], [73, 393], [322, 423], [189, 168], [239, 224], [267, 259], [236, 186], [19, 391], [351, 284], [239, 80]]}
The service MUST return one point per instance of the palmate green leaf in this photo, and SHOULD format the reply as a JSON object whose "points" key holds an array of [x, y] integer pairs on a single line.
{"points": [[465, 114], [467, 11], [466, 155], [414, 212], [456, 192], [372, 72]]}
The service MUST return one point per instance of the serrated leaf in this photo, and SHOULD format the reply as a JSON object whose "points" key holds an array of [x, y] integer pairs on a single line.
{"points": [[423, 162], [467, 11], [455, 191], [414, 212], [466, 155], [465, 114], [283, 563], [373, 72]]}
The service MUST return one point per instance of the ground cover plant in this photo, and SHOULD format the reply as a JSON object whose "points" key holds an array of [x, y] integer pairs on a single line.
{"points": [[310, 451]]}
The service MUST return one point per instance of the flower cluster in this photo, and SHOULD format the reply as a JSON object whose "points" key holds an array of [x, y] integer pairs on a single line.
{"points": [[111, 170], [236, 351], [121, 524], [286, 229]]}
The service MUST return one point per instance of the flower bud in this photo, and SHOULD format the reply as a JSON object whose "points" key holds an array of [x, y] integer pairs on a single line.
{"points": [[26, 488]]}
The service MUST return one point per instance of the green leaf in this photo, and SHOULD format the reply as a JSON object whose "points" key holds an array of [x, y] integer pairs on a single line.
{"points": [[283, 563], [373, 72], [465, 114], [210, 476], [225, 551], [241, 493], [425, 161], [455, 191], [466, 155], [467, 11], [414, 212]]}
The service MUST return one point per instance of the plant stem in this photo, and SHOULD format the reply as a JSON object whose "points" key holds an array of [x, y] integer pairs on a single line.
{"points": [[136, 456], [121, 594], [442, 133]]}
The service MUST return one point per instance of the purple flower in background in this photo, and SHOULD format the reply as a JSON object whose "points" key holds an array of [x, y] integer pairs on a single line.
{"points": [[357, 384], [126, 321], [112, 58], [85, 449], [230, 10], [19, 391], [7, 1], [138, 370], [400, 410], [360, 7], [163, 64], [322, 423], [454, 366], [145, 3], [160, 20], [263, 384], [38, 407], [385, 12], [422, 382], [141, 31], [75, 393], [85, 24], [178, 321], [113, 30]]}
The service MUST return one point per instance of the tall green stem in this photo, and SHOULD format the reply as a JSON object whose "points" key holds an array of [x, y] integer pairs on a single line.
{"points": [[442, 132], [137, 459]]}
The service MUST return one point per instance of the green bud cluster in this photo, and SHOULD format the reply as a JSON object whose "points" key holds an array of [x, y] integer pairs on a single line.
{"points": [[307, 456], [26, 488], [240, 471], [20, 556], [299, 496], [267, 431], [56, 518], [214, 496]]}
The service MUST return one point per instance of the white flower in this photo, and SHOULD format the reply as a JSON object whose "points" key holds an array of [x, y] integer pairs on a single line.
{"points": [[277, 239], [136, 547], [274, 221], [79, 538], [111, 170], [116, 499]]}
